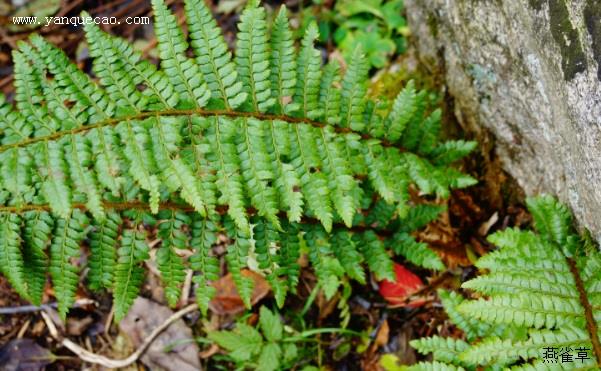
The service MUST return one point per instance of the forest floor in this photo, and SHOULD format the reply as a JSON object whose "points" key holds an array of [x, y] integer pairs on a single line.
{"points": [[458, 236]]}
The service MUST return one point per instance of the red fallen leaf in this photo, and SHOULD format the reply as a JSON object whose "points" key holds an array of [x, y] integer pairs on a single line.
{"points": [[398, 293]]}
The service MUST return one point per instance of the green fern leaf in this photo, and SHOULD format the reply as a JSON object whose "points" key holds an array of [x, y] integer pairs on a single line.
{"points": [[103, 247], [443, 349], [403, 109], [283, 60], [38, 229], [11, 257], [376, 257], [182, 71], [64, 252], [170, 264], [111, 70], [203, 238], [329, 94], [237, 255], [416, 252], [345, 248], [354, 89], [212, 55], [129, 272], [308, 75], [252, 57]]}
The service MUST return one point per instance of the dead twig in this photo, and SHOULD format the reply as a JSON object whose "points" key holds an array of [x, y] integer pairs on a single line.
{"points": [[35, 308], [90, 357]]}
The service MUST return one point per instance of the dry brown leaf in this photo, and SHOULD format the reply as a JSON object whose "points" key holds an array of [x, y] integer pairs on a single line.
{"points": [[228, 301], [382, 335], [173, 350]]}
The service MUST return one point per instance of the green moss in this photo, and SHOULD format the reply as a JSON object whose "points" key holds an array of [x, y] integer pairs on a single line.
{"points": [[536, 4], [592, 17], [433, 24], [566, 36]]}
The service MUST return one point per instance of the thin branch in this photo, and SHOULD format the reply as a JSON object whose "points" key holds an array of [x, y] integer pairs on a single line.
{"points": [[36, 308], [94, 358]]}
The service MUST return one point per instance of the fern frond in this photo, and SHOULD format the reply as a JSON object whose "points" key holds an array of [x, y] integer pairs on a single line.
{"points": [[208, 144], [327, 267], [266, 239], [346, 250], [257, 169], [111, 70], [330, 94], [434, 366], [376, 257], [287, 180], [403, 109], [538, 294]]}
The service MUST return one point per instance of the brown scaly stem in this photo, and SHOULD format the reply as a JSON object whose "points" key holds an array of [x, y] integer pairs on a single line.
{"points": [[591, 325]]}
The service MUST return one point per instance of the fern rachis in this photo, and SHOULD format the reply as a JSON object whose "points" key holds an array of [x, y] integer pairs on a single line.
{"points": [[239, 145]]}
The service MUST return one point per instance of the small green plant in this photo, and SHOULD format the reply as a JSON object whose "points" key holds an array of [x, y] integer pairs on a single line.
{"points": [[541, 291], [377, 26], [272, 347]]}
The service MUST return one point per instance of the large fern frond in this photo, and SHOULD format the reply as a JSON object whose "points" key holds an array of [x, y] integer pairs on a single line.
{"points": [[267, 148]]}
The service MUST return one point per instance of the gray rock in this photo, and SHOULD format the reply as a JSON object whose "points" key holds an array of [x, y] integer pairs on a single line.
{"points": [[525, 74]]}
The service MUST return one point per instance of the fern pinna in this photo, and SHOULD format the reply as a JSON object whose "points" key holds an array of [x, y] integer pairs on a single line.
{"points": [[541, 302], [263, 146]]}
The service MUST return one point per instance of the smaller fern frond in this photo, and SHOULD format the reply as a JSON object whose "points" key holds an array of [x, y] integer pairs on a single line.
{"points": [[536, 293]]}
